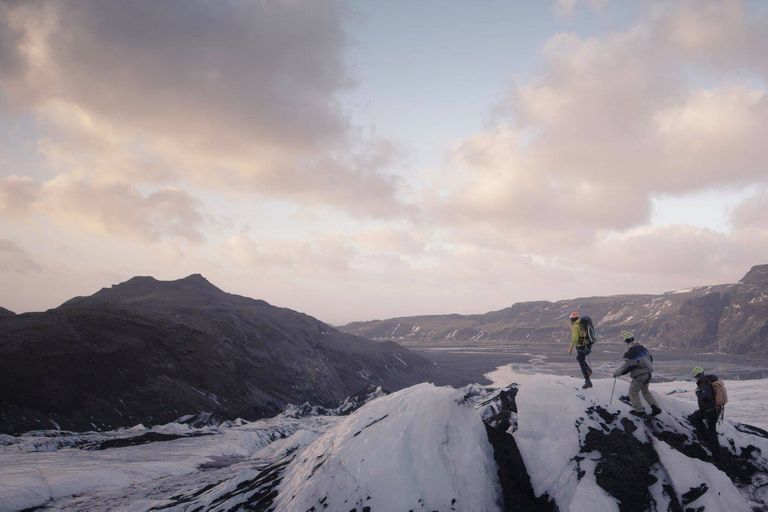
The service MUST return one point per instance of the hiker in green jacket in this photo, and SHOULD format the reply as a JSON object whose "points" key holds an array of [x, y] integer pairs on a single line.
{"points": [[578, 340]]}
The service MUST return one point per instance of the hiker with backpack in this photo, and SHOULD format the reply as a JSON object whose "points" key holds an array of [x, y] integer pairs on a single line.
{"points": [[638, 362], [582, 338], [711, 395]]}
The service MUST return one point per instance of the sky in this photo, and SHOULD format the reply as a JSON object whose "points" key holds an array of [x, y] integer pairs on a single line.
{"points": [[362, 160]]}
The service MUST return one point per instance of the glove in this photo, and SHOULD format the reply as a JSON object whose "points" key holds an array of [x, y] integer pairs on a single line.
{"points": [[616, 375]]}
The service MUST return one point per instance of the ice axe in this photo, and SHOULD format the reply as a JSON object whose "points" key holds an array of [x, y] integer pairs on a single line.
{"points": [[614, 389]]}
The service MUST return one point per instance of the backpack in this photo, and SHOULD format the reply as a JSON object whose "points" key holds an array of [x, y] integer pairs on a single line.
{"points": [[588, 329], [721, 396]]}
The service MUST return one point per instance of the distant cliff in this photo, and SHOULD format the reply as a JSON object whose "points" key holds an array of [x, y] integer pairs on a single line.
{"points": [[730, 318]]}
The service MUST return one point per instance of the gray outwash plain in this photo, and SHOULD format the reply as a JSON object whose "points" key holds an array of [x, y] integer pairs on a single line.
{"points": [[466, 363]]}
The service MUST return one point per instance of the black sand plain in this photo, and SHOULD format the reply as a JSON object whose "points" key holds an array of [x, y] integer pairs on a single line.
{"points": [[466, 362]]}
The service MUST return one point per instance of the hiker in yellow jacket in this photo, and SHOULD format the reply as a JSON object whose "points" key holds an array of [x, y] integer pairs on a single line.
{"points": [[578, 340]]}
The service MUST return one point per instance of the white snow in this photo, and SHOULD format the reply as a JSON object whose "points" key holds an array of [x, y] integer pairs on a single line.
{"points": [[687, 290], [746, 398], [547, 410], [417, 449], [30, 478], [552, 422], [687, 474]]}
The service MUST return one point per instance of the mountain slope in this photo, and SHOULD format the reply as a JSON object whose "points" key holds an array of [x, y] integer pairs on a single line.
{"points": [[729, 318], [147, 351], [6, 313]]}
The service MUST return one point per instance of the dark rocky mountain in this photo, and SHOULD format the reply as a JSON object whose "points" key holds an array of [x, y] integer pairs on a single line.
{"points": [[148, 351], [731, 318], [6, 313]]}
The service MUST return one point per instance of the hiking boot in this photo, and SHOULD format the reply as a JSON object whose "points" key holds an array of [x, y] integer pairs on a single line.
{"points": [[586, 385], [640, 414], [655, 411]]}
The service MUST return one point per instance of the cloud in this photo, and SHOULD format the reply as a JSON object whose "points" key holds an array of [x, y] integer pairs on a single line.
{"points": [[724, 34], [608, 123], [752, 213], [122, 211], [17, 197], [564, 8], [13, 259], [316, 256], [392, 240], [235, 95]]}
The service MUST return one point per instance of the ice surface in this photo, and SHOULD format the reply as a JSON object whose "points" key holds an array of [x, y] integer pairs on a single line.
{"points": [[30, 478], [422, 448], [687, 474]]}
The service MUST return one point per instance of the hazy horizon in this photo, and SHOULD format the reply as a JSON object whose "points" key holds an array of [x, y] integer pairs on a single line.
{"points": [[468, 312]]}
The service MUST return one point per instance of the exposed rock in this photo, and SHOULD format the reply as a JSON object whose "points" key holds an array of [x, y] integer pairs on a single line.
{"points": [[731, 318], [6, 313], [147, 351]]}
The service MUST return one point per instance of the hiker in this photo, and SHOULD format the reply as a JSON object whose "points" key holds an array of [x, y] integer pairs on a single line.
{"points": [[638, 362], [578, 340], [708, 410]]}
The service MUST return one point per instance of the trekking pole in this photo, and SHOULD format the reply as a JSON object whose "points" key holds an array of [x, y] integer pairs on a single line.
{"points": [[614, 389]]}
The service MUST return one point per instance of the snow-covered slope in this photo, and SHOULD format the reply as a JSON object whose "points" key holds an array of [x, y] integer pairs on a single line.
{"points": [[539, 443], [589, 455], [421, 448]]}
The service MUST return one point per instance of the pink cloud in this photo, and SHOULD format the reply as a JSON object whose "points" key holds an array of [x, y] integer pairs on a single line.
{"points": [[17, 196], [240, 96], [15, 260]]}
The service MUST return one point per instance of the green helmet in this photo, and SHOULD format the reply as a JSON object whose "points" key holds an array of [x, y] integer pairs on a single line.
{"points": [[698, 372], [627, 336]]}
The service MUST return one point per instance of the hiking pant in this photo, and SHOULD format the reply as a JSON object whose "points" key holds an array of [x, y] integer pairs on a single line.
{"points": [[581, 357], [640, 383], [710, 432]]}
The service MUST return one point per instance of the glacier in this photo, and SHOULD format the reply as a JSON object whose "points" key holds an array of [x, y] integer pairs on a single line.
{"points": [[526, 442]]}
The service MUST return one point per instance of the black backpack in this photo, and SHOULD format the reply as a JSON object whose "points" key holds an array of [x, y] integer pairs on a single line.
{"points": [[588, 328]]}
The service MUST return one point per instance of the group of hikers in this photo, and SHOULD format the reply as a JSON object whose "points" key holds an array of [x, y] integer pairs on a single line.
{"points": [[638, 362]]}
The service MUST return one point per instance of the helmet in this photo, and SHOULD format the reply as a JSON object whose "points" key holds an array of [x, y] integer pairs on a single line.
{"points": [[575, 315], [698, 372], [628, 337]]}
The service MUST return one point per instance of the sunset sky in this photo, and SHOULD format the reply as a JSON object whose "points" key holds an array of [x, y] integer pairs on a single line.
{"points": [[370, 159]]}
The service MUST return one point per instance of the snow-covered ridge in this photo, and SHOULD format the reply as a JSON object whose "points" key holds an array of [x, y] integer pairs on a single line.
{"points": [[539, 443]]}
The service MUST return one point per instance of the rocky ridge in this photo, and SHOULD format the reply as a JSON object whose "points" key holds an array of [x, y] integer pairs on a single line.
{"points": [[730, 318]]}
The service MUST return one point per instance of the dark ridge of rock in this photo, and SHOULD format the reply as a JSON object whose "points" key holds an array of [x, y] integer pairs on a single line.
{"points": [[149, 351], [622, 455], [516, 486], [730, 318], [6, 313], [625, 468], [694, 494], [505, 406], [513, 476], [257, 494], [149, 437]]}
